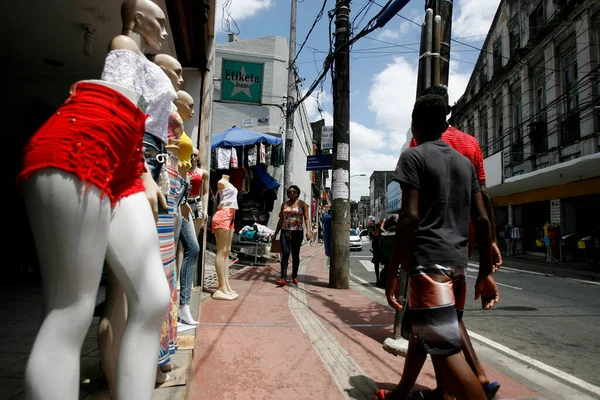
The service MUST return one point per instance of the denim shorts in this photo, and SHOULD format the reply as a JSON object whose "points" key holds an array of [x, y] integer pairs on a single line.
{"points": [[154, 154]]}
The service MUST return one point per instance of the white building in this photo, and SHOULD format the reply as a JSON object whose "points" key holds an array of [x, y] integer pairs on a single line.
{"points": [[260, 104], [532, 102]]}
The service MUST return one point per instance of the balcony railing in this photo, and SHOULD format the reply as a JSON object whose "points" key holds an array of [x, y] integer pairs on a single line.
{"points": [[569, 128]]}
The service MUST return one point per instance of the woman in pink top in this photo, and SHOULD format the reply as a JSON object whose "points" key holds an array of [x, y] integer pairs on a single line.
{"points": [[292, 218]]}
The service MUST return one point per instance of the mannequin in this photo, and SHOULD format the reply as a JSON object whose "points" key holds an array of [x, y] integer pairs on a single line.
{"points": [[199, 192], [166, 221], [223, 228], [159, 93], [86, 203]]}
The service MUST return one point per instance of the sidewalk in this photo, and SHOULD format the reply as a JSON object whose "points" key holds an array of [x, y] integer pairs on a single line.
{"points": [[302, 342], [527, 262]]}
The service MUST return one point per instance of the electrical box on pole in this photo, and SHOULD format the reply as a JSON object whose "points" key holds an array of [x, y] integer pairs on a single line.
{"points": [[339, 263]]}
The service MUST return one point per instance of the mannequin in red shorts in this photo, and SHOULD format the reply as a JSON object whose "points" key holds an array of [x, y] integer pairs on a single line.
{"points": [[85, 166]]}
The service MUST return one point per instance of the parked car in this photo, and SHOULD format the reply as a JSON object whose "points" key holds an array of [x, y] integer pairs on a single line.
{"points": [[364, 232], [355, 240]]}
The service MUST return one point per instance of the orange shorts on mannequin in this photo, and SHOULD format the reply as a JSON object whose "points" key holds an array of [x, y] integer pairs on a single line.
{"points": [[223, 219]]}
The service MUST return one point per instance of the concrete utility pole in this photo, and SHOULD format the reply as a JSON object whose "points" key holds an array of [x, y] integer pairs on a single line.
{"points": [[340, 186], [434, 69], [291, 102]]}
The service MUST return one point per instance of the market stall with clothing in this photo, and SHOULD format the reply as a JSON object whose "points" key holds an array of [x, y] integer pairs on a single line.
{"points": [[249, 159]]}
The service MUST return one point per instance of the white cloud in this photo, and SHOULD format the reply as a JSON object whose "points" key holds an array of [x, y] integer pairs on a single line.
{"points": [[388, 34], [474, 17], [239, 11]]}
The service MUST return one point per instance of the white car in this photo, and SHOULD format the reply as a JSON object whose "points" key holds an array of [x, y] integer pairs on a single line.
{"points": [[355, 240]]}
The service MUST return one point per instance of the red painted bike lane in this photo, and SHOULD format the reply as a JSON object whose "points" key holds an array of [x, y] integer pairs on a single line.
{"points": [[253, 347], [360, 325]]}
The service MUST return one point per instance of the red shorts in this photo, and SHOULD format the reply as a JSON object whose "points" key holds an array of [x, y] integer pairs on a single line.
{"points": [[95, 135], [223, 219]]}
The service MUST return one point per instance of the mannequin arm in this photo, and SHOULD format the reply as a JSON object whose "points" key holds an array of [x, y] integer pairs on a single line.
{"points": [[153, 192], [205, 187]]}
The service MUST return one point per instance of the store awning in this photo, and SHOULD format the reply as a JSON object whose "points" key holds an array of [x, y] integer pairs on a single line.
{"points": [[235, 136]]}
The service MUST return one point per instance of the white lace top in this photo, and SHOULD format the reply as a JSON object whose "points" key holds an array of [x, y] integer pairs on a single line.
{"points": [[146, 78]]}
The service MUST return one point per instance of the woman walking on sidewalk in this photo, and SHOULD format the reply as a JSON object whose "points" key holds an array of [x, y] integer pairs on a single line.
{"points": [[292, 217]]}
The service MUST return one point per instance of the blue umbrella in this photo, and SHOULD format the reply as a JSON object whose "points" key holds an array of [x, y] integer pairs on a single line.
{"points": [[242, 137]]}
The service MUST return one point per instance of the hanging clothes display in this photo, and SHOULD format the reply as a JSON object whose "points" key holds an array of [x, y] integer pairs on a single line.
{"points": [[262, 154], [223, 156], [234, 159], [251, 156]]}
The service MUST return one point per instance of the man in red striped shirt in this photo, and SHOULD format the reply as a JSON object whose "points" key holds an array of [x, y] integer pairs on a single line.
{"points": [[467, 145]]}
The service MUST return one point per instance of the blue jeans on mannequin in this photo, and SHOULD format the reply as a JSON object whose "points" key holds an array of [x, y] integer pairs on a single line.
{"points": [[290, 246], [191, 249]]}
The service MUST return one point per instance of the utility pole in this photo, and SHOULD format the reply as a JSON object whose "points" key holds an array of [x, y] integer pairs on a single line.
{"points": [[340, 186], [291, 102]]}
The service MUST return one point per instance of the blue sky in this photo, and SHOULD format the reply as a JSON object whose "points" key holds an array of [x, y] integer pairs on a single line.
{"points": [[382, 74]]}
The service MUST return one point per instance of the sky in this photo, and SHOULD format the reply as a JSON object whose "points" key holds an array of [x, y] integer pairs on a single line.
{"points": [[383, 66]]}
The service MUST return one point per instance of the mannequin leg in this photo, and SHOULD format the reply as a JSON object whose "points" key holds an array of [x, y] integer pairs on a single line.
{"points": [[188, 267], [111, 328], [134, 256], [221, 265], [229, 240], [70, 226]]}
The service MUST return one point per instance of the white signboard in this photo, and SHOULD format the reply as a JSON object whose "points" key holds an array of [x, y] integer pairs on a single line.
{"points": [[339, 190], [247, 123], [342, 151], [327, 138]]}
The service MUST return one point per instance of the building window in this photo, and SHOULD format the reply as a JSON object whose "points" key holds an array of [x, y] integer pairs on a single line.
{"points": [[499, 124], [484, 131], [515, 34], [536, 20], [497, 54], [471, 126], [483, 72], [570, 121], [517, 133], [538, 129]]}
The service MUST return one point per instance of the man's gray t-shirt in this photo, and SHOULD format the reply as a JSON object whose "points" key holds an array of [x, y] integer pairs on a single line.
{"points": [[446, 181]]}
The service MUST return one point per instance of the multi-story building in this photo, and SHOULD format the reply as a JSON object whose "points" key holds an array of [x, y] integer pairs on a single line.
{"points": [[251, 91], [364, 210], [394, 198], [532, 102], [378, 186]]}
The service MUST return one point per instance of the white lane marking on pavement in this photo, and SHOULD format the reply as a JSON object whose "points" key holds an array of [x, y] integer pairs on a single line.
{"points": [[472, 270], [538, 364], [500, 284], [343, 369], [362, 256], [502, 268], [369, 266], [365, 282], [584, 281]]}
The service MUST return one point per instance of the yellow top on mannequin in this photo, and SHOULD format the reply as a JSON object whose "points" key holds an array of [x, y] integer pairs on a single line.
{"points": [[186, 147]]}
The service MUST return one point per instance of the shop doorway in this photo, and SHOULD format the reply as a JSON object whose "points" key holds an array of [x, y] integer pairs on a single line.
{"points": [[533, 216]]}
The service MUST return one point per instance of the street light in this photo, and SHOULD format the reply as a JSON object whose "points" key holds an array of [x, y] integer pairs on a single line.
{"points": [[352, 176]]}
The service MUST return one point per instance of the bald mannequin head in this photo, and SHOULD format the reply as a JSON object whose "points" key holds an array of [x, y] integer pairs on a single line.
{"points": [[171, 67], [185, 105], [146, 19]]}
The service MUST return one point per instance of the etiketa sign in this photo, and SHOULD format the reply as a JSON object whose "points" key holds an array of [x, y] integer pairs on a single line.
{"points": [[241, 81]]}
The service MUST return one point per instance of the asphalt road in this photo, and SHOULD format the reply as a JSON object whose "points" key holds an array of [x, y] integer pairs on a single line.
{"points": [[551, 319]]}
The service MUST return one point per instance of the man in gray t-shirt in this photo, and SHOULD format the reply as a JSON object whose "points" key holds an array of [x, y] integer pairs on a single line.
{"points": [[439, 192], [446, 181]]}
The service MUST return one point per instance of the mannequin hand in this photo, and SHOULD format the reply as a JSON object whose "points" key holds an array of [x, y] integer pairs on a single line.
{"points": [[153, 194], [186, 212]]}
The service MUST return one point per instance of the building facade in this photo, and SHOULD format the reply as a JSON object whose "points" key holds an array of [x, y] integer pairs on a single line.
{"points": [[532, 102], [250, 92], [394, 198], [378, 193]]}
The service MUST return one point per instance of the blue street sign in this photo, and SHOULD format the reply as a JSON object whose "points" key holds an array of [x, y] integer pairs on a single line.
{"points": [[318, 162]]}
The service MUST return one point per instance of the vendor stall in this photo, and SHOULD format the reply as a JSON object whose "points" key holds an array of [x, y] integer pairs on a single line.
{"points": [[247, 157]]}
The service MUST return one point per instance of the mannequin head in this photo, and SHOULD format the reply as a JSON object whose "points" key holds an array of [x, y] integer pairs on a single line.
{"points": [[145, 18], [185, 105], [171, 67], [195, 160]]}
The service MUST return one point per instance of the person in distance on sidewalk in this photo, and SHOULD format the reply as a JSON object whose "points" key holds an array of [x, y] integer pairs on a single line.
{"points": [[440, 190], [292, 217]]}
